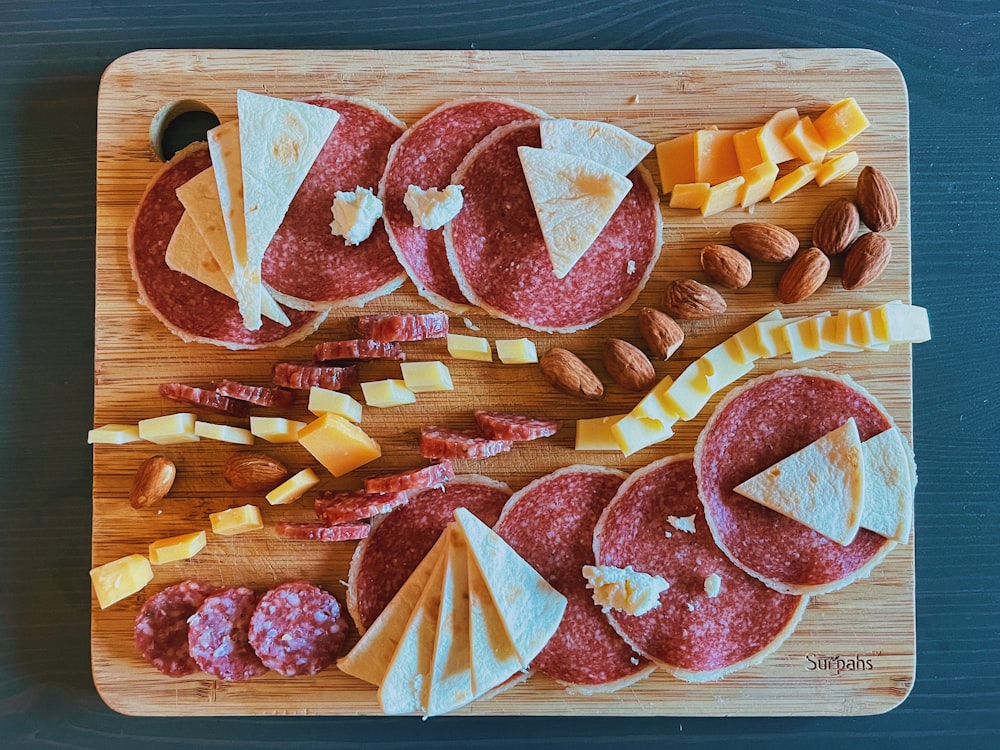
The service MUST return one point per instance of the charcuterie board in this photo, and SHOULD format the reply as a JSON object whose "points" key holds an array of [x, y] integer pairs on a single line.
{"points": [[854, 651]]}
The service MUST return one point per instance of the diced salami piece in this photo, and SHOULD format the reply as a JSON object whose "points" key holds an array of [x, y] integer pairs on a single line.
{"points": [[426, 156], [212, 400], [321, 532], [256, 394], [188, 308], [429, 476], [442, 442], [303, 376], [550, 523], [333, 508], [306, 266], [400, 540], [218, 635], [340, 351], [514, 427], [298, 629], [753, 428], [699, 631], [404, 327], [499, 257], [161, 627]]}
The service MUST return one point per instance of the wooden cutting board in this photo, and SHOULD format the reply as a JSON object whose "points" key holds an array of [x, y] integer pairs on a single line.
{"points": [[854, 652]]}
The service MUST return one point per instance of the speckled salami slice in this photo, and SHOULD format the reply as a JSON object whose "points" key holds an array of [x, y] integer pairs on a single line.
{"points": [[255, 394], [404, 327], [298, 629], [213, 400], [341, 351], [550, 523], [443, 442], [753, 428], [498, 255], [333, 508], [185, 306], [426, 156], [306, 266], [696, 636], [429, 476], [218, 635], [321, 532], [303, 376], [161, 627], [400, 540], [504, 426]]}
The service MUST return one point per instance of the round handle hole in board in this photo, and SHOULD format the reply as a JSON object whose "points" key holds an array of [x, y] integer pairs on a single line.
{"points": [[179, 124]]}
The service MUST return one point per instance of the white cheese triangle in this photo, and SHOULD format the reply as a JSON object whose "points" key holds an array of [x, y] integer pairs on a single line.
{"points": [[574, 199], [821, 486], [602, 142], [890, 476]]}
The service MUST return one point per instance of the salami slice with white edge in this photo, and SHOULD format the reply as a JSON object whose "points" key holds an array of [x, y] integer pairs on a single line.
{"points": [[429, 476], [218, 635], [303, 376], [340, 351], [322, 532], [212, 400], [333, 508], [713, 618], [515, 427], [753, 428], [407, 327], [161, 627], [550, 523], [255, 394], [444, 442]]}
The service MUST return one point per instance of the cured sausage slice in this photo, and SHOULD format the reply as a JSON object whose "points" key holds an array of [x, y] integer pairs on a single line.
{"points": [[498, 255], [753, 428], [218, 635], [426, 156], [306, 266], [696, 636], [321, 532], [161, 627], [442, 442], [185, 306], [339, 351], [302, 376], [333, 508], [213, 400], [400, 540], [255, 394], [297, 629], [550, 523], [504, 426], [404, 327], [429, 476]]}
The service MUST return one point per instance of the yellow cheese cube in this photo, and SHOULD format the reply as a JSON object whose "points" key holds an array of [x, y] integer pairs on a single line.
{"points": [[747, 151], [517, 351], [169, 430], [654, 406], [896, 323], [632, 434], [223, 433], [236, 520], [675, 159], [689, 195], [114, 434], [387, 393], [770, 139], [324, 401], [829, 338], [690, 392], [841, 123], [836, 167], [120, 578], [803, 338], [723, 196], [425, 377], [337, 444], [765, 338], [469, 347], [714, 156], [595, 434], [726, 364], [293, 488], [758, 183], [794, 180], [804, 141], [862, 329], [751, 341], [276, 429], [176, 548]]}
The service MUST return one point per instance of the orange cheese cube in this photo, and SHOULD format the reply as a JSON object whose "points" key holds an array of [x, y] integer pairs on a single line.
{"points": [[715, 156], [176, 548], [759, 181], [771, 138], [689, 195], [794, 180], [804, 141], [723, 196], [747, 151], [235, 521], [836, 167], [841, 123], [293, 488], [675, 159], [337, 444]]}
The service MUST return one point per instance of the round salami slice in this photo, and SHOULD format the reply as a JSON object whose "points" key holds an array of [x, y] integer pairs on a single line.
{"points": [[255, 394], [498, 255], [213, 400], [407, 327], [443, 442], [426, 156], [754, 427], [303, 376], [298, 629], [185, 306], [306, 266], [321, 532], [340, 351], [161, 627], [514, 427], [218, 635], [550, 523], [400, 540], [696, 635], [419, 479], [333, 508]]}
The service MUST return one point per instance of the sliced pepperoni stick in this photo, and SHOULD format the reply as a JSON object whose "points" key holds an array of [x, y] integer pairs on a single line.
{"points": [[218, 635], [419, 479], [403, 327], [303, 376], [161, 627], [187, 394], [334, 508], [343, 351], [442, 442], [256, 394], [321, 532], [514, 427]]}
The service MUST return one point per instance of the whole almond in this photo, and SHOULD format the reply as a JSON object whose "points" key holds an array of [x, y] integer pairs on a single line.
{"points": [[627, 365], [877, 201], [766, 242], [688, 299], [804, 275], [662, 334], [866, 260], [254, 472], [152, 481], [726, 266], [568, 373], [837, 226]]}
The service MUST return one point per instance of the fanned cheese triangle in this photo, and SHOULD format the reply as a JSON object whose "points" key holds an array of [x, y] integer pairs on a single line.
{"points": [[890, 476], [821, 486], [494, 658], [574, 199], [602, 142], [187, 253]]}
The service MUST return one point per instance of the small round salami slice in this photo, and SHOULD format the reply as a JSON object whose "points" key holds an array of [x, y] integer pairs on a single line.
{"points": [[407, 327], [218, 635], [342, 507], [503, 426], [298, 629], [714, 619], [550, 523], [341, 351], [321, 532], [754, 427], [255, 394], [303, 376], [161, 627], [443, 442], [213, 400], [429, 476]]}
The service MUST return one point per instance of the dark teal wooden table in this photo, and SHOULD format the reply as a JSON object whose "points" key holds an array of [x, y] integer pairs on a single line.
{"points": [[51, 58]]}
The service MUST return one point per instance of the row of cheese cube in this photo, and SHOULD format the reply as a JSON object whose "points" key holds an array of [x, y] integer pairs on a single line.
{"points": [[477, 348]]}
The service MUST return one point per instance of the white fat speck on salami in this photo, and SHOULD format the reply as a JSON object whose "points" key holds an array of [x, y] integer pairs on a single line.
{"points": [[602, 142]]}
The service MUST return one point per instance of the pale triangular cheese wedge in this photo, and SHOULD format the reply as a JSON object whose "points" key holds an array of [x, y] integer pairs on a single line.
{"points": [[529, 607], [574, 199], [821, 486], [187, 253], [602, 142], [889, 479], [494, 658]]}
